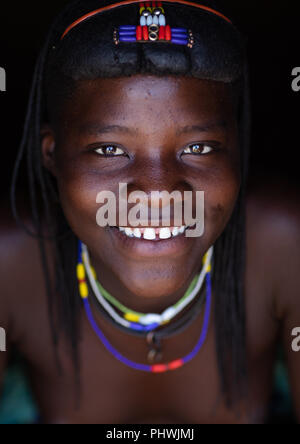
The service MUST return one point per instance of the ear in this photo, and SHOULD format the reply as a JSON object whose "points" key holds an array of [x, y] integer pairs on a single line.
{"points": [[48, 148]]}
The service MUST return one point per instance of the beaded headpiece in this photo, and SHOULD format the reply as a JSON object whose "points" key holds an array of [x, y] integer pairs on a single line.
{"points": [[152, 25]]}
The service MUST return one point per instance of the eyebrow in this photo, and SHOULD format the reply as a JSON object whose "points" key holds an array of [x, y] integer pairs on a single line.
{"points": [[201, 128], [95, 129]]}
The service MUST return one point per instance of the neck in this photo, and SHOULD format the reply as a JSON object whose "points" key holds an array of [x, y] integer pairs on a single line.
{"points": [[116, 288]]}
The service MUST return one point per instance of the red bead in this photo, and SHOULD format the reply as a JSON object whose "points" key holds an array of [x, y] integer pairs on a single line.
{"points": [[162, 33], [153, 4], [159, 4], [159, 368], [82, 281], [145, 33], [139, 33], [176, 364], [148, 4], [168, 33], [142, 5]]}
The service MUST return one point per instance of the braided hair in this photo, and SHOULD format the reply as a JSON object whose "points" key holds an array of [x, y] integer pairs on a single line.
{"points": [[88, 52]]}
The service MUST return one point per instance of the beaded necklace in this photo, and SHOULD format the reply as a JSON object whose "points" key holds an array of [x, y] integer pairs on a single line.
{"points": [[132, 315], [134, 320], [154, 338], [157, 368]]}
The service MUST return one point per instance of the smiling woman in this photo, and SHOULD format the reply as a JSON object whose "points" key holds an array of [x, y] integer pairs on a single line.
{"points": [[109, 107]]}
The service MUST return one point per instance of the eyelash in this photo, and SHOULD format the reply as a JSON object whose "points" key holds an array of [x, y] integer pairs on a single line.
{"points": [[120, 152]]}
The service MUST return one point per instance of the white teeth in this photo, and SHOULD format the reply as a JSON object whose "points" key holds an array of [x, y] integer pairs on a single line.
{"points": [[137, 233], [164, 233], [152, 234], [149, 234], [175, 231], [128, 232]]}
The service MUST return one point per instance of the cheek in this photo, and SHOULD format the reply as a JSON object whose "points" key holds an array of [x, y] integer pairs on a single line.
{"points": [[220, 199], [78, 190]]}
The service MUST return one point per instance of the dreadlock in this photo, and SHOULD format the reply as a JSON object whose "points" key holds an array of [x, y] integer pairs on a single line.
{"points": [[88, 52]]}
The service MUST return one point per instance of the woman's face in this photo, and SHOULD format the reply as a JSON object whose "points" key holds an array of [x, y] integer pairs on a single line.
{"points": [[154, 126]]}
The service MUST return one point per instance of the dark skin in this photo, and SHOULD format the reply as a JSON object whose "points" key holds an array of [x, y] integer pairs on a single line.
{"points": [[146, 276]]}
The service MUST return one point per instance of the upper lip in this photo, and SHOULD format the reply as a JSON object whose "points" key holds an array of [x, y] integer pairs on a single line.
{"points": [[152, 226], [158, 224]]}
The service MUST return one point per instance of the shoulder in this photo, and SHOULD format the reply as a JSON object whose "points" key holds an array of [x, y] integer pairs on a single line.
{"points": [[20, 268], [273, 239]]}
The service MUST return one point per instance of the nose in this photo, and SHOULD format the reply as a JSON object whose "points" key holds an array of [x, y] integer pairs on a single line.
{"points": [[158, 175], [160, 188]]}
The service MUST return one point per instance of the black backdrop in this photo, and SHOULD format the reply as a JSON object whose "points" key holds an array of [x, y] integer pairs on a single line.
{"points": [[272, 31]]}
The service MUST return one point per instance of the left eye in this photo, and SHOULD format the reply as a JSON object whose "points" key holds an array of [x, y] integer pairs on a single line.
{"points": [[198, 148], [110, 150]]}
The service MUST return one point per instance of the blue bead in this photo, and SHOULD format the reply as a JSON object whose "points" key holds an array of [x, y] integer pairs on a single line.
{"points": [[136, 326], [127, 39], [180, 36], [127, 28], [151, 327], [179, 30], [179, 41], [127, 34]]}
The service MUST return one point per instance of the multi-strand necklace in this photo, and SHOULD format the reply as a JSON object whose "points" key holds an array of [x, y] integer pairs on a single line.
{"points": [[141, 324]]}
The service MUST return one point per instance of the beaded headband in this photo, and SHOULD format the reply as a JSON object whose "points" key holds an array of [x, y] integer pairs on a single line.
{"points": [[152, 26]]}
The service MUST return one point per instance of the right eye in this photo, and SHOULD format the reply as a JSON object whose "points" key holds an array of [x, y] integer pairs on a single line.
{"points": [[110, 151]]}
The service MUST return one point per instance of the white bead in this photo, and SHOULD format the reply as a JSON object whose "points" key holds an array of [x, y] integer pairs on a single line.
{"points": [[156, 11], [155, 20], [168, 314], [162, 20], [143, 21], [150, 319], [149, 20]]}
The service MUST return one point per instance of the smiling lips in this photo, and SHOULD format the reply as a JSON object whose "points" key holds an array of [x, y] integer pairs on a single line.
{"points": [[153, 233]]}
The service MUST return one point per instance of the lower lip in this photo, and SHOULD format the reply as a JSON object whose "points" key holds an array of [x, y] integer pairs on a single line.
{"points": [[178, 245]]}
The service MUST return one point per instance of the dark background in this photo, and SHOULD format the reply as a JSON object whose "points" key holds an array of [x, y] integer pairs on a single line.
{"points": [[272, 31]]}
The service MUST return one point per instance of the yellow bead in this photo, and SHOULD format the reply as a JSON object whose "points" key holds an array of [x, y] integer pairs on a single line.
{"points": [[204, 258], [80, 272], [131, 317], [208, 268], [142, 9], [83, 290]]}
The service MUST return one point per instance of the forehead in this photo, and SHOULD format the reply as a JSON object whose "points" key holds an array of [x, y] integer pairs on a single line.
{"points": [[155, 100]]}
